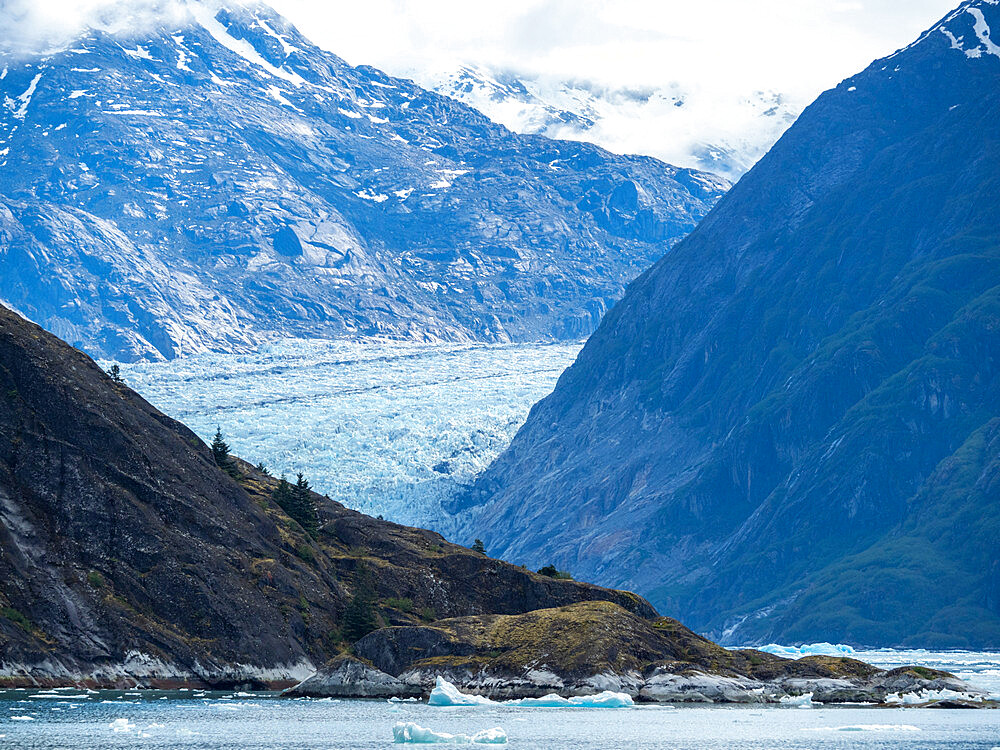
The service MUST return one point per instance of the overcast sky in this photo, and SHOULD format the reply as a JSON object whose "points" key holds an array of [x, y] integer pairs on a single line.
{"points": [[797, 46]]}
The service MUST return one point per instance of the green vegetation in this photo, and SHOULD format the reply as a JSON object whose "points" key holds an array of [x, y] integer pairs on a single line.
{"points": [[360, 618], [552, 572], [404, 604], [306, 553], [95, 579], [428, 614], [220, 452], [17, 618], [297, 501]]}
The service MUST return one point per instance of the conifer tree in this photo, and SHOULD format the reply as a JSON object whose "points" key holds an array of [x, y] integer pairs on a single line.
{"points": [[305, 506], [220, 452], [116, 374], [359, 617], [478, 546]]}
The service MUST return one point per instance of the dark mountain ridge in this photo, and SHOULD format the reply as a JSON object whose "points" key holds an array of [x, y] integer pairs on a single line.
{"points": [[128, 556], [787, 429], [220, 179]]}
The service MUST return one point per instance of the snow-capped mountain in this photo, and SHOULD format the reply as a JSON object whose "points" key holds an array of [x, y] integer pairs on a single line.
{"points": [[719, 131], [219, 179], [788, 430]]}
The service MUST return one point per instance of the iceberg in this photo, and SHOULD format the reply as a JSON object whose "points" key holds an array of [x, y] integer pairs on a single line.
{"points": [[607, 699], [408, 732], [927, 696], [802, 701], [446, 694]]}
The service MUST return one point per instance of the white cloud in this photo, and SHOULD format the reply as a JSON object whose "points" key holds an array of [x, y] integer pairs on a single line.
{"points": [[795, 46]]}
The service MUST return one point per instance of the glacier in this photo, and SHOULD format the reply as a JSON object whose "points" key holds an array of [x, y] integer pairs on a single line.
{"points": [[385, 427]]}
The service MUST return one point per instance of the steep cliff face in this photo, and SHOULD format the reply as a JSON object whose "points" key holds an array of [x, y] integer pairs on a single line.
{"points": [[127, 556], [218, 178], [806, 385]]}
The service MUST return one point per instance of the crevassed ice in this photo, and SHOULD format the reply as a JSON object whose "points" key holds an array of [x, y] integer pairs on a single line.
{"points": [[390, 428]]}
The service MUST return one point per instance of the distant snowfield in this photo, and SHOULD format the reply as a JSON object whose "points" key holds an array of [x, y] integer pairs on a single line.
{"points": [[387, 428]]}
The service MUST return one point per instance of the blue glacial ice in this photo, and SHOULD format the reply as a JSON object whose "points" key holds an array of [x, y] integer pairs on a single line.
{"points": [[408, 732], [810, 649], [446, 694], [387, 428]]}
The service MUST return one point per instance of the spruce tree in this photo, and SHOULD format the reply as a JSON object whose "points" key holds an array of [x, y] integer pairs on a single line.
{"points": [[478, 546], [359, 617], [305, 506], [220, 452], [116, 374]]}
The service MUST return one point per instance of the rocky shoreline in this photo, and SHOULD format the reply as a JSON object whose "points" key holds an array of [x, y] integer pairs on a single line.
{"points": [[587, 648]]}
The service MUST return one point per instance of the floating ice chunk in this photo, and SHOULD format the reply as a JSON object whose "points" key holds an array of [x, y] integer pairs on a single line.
{"points": [[408, 732], [801, 701], [121, 725], [867, 728], [606, 699], [397, 699], [926, 696], [446, 694], [811, 649], [22, 718]]}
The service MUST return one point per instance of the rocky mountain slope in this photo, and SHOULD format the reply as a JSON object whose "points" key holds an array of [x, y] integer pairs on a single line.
{"points": [[128, 556], [722, 132], [218, 178], [788, 428]]}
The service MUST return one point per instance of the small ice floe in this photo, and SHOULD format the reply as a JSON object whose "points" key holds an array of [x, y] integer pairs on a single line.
{"points": [[22, 718], [408, 732], [928, 696], [867, 728], [800, 701], [446, 694], [607, 699], [121, 725]]}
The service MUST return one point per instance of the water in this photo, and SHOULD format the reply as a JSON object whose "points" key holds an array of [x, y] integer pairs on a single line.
{"points": [[217, 722], [388, 428]]}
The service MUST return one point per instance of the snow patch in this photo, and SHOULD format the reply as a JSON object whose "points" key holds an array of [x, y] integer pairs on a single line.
{"points": [[241, 47], [19, 106], [77, 93], [370, 195], [277, 95], [410, 733], [285, 46], [139, 53], [983, 32], [349, 113]]}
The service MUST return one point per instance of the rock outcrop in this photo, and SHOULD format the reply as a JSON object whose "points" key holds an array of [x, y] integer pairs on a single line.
{"points": [[584, 649]]}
